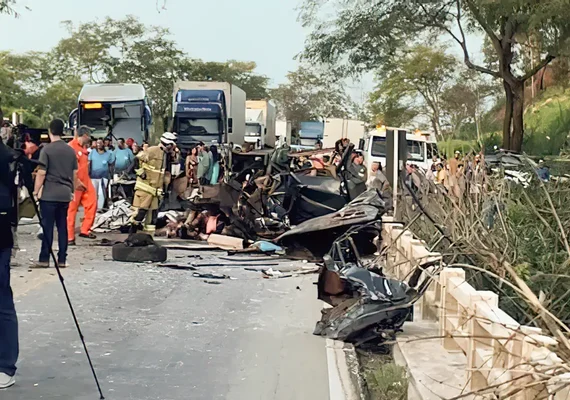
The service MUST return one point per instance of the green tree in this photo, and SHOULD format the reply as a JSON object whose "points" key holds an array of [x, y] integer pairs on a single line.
{"points": [[7, 7], [388, 109], [361, 35], [464, 102], [310, 95], [240, 73], [47, 84], [417, 77]]}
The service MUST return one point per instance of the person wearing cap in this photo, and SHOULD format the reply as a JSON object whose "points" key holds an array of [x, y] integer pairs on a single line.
{"points": [[152, 176], [130, 142], [86, 195]]}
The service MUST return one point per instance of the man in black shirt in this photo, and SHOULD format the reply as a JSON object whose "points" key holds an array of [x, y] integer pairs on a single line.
{"points": [[8, 216]]}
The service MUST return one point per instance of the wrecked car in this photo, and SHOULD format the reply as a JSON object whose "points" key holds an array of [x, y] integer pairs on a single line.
{"points": [[317, 235], [367, 306]]}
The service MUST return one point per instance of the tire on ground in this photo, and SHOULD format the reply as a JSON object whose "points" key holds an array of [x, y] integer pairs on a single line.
{"points": [[153, 253]]}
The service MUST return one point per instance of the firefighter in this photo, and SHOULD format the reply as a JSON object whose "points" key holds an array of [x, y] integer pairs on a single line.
{"points": [[152, 177]]}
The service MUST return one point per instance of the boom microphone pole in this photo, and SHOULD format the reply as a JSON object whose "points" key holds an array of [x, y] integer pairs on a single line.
{"points": [[25, 167]]}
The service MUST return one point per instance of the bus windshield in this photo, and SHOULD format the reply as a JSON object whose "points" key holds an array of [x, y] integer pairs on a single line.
{"points": [[94, 118], [378, 146]]}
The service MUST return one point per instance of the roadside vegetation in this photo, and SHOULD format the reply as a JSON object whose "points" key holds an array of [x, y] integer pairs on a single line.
{"points": [[384, 379]]}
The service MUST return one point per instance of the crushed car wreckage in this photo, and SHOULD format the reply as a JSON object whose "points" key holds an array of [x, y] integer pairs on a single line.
{"points": [[304, 214], [366, 305]]}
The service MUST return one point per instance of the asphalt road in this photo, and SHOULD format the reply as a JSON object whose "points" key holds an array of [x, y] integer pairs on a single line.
{"points": [[157, 333]]}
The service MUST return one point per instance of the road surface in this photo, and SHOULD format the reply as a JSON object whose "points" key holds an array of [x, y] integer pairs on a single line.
{"points": [[157, 333]]}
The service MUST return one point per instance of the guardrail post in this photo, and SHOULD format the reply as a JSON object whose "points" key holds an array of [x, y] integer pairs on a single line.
{"points": [[448, 308], [480, 352]]}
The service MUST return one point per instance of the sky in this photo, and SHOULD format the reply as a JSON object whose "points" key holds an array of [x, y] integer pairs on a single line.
{"points": [[264, 31]]}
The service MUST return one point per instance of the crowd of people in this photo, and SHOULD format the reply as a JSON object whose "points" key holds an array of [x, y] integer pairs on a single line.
{"points": [[457, 175]]}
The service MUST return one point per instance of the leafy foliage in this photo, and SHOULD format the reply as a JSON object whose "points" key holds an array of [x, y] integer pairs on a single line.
{"points": [[507, 226], [362, 35], [46, 85], [417, 79], [310, 95]]}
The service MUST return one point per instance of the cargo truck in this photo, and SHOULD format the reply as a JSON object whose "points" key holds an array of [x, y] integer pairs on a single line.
{"points": [[120, 109], [209, 112], [341, 128], [260, 123], [283, 132]]}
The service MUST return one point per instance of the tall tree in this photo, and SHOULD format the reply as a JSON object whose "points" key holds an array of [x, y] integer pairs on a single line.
{"points": [[368, 32], [465, 101], [309, 95], [240, 73], [7, 7], [418, 75], [390, 109]]}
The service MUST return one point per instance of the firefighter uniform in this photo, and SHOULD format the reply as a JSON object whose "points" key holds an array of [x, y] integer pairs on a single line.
{"points": [[152, 177]]}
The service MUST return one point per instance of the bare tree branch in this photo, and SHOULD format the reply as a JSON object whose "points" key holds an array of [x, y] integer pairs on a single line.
{"points": [[549, 58]]}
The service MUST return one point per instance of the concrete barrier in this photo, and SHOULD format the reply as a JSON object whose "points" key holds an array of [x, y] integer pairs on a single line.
{"points": [[501, 357]]}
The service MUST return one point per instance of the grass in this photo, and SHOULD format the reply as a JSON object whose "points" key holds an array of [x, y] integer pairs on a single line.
{"points": [[547, 123], [385, 380]]}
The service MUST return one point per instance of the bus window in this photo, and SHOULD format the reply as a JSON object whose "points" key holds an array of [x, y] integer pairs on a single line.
{"points": [[378, 146], [415, 150], [430, 152], [435, 150]]}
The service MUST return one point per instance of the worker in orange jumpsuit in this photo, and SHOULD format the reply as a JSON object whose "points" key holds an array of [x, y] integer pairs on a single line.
{"points": [[85, 195]]}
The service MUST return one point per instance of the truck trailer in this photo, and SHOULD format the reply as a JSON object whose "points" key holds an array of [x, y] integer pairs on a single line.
{"points": [[342, 128], [283, 132], [209, 112], [260, 123]]}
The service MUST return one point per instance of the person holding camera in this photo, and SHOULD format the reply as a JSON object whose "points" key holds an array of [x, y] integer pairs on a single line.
{"points": [[8, 218]]}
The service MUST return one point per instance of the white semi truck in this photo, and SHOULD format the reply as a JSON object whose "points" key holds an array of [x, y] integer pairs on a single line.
{"points": [[341, 128], [260, 123], [209, 112]]}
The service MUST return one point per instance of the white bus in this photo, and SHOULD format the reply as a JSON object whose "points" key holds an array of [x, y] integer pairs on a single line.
{"points": [[422, 146], [122, 106]]}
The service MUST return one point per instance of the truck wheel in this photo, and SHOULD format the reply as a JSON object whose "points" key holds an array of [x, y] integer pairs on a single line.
{"points": [[152, 253]]}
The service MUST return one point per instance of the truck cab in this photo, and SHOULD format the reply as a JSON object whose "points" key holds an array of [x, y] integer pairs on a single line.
{"points": [[260, 123], [200, 116], [209, 112], [421, 147], [120, 109]]}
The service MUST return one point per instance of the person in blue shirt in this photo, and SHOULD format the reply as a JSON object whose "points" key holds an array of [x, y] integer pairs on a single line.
{"points": [[100, 163], [543, 171], [124, 157], [215, 169]]}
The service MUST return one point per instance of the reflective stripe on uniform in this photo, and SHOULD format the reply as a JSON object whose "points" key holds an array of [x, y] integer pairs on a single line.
{"points": [[148, 189]]}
